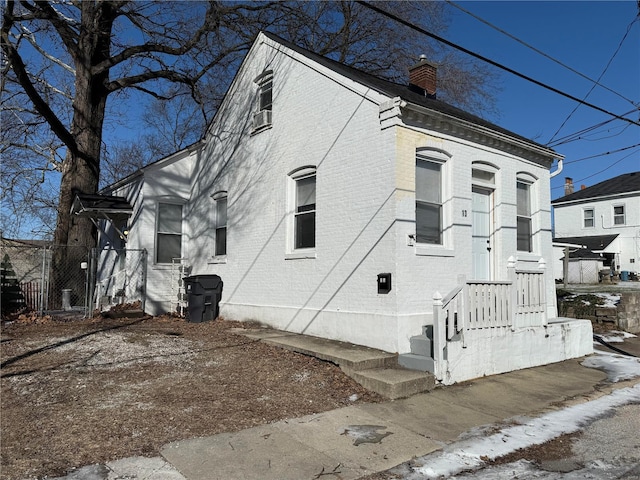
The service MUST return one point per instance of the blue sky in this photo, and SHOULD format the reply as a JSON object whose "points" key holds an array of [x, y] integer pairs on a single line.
{"points": [[583, 35]]}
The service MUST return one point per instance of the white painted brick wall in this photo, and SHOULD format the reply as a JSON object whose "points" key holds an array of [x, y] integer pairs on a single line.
{"points": [[365, 209]]}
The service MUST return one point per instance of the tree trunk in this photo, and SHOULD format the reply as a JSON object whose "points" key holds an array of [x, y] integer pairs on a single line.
{"points": [[74, 236]]}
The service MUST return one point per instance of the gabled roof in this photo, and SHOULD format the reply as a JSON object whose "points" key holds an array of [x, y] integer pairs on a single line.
{"points": [[595, 242], [406, 92], [623, 184]]}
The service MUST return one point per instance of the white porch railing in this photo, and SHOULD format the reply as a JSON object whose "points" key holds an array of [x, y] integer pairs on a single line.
{"points": [[516, 303]]}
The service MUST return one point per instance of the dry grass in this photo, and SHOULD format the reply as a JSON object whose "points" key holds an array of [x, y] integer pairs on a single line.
{"points": [[84, 392]]}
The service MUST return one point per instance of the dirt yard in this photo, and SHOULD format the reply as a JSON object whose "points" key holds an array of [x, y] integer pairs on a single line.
{"points": [[76, 393]]}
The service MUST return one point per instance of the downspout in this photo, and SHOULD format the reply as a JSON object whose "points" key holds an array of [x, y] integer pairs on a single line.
{"points": [[557, 172]]}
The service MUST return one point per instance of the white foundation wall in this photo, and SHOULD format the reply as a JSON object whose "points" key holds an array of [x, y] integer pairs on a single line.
{"points": [[494, 351], [316, 122]]}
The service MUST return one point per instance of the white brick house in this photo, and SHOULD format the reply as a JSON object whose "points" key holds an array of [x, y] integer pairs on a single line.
{"points": [[337, 204]]}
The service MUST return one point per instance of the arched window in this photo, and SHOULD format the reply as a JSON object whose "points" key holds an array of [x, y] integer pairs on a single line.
{"points": [[303, 207], [262, 117], [430, 193], [524, 186]]}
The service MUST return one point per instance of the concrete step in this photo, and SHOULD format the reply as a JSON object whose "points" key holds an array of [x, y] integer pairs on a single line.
{"points": [[374, 369], [345, 355], [421, 345], [416, 362], [394, 383]]}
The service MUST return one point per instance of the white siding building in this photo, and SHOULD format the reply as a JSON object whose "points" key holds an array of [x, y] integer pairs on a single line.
{"points": [[604, 217]]}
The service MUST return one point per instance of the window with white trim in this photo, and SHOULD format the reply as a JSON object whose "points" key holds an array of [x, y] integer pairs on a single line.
{"points": [[524, 230], [588, 218], [168, 232], [305, 213], [618, 215], [220, 224], [429, 200], [302, 209], [263, 116]]}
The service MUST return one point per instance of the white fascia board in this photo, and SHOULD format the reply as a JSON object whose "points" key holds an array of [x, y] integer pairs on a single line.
{"points": [[546, 152], [569, 245], [602, 198]]}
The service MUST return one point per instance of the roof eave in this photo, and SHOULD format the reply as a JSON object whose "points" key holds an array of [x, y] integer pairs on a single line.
{"points": [[479, 132]]}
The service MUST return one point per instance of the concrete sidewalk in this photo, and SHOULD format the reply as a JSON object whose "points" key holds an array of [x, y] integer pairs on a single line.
{"points": [[359, 440], [355, 441]]}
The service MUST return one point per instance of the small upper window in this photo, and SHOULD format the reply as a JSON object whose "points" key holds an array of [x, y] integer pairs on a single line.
{"points": [[483, 176], [588, 218], [220, 223], [262, 118], [618, 215]]}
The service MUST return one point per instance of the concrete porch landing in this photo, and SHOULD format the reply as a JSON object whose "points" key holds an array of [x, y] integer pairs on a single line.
{"points": [[375, 370]]}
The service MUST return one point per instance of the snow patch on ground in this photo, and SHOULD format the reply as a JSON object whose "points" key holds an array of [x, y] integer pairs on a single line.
{"points": [[617, 367], [473, 452], [615, 336], [610, 299]]}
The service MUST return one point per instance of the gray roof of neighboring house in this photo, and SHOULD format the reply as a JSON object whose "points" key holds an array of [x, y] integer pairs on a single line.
{"points": [[593, 242], [626, 183], [411, 94]]}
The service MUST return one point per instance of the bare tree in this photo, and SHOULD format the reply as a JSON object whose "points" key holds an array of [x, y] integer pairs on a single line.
{"points": [[73, 68]]}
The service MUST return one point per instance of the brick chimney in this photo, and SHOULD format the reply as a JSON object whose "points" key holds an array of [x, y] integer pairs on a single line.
{"points": [[423, 76], [568, 185]]}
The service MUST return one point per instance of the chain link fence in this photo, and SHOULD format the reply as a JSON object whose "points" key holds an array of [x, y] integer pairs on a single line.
{"points": [[120, 277], [43, 278]]}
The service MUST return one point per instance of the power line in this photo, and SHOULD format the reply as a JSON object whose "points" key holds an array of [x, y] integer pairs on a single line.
{"points": [[576, 135], [491, 62], [513, 37], [601, 171], [603, 154], [596, 83]]}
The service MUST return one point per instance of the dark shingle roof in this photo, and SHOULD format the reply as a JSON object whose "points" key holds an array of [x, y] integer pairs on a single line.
{"points": [[397, 90], [627, 183], [593, 242]]}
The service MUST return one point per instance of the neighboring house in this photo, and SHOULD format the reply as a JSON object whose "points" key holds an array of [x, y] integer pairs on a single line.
{"points": [[605, 219], [337, 204]]}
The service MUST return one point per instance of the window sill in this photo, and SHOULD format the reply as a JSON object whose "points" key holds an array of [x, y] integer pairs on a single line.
{"points": [[300, 255], [527, 256], [262, 128], [216, 260], [433, 251]]}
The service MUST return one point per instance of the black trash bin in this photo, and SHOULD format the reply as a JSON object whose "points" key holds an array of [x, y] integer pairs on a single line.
{"points": [[203, 297]]}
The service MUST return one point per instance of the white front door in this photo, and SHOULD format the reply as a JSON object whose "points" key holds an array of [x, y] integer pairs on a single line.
{"points": [[481, 233]]}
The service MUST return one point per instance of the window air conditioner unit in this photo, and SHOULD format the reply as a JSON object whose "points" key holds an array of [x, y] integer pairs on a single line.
{"points": [[261, 119]]}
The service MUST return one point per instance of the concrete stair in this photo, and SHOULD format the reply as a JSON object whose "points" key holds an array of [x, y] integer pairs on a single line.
{"points": [[421, 356], [375, 370]]}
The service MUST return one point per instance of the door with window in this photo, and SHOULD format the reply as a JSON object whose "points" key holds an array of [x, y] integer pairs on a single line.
{"points": [[481, 230]]}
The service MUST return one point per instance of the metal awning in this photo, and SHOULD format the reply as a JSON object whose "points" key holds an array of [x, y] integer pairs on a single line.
{"points": [[96, 207]]}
